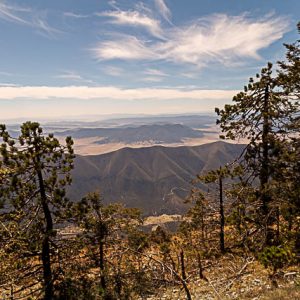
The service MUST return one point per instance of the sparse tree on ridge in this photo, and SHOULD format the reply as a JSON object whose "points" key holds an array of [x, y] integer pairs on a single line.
{"points": [[218, 176]]}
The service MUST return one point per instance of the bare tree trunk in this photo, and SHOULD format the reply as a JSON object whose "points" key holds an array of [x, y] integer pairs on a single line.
{"points": [[222, 217], [11, 292], [182, 265], [183, 275], [201, 275], [48, 278], [264, 171], [277, 225], [101, 265]]}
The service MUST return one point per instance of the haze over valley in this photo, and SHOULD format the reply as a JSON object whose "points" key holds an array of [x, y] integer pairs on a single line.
{"points": [[144, 161], [97, 137]]}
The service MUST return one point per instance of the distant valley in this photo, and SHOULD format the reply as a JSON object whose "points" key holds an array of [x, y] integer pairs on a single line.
{"points": [[146, 162], [104, 136], [155, 133]]}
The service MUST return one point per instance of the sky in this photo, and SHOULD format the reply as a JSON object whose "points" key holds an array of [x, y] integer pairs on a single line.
{"points": [[71, 58]]}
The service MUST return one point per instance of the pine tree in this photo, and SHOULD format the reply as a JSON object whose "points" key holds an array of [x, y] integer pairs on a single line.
{"points": [[217, 177], [110, 233], [289, 72], [288, 179], [261, 115], [37, 169]]}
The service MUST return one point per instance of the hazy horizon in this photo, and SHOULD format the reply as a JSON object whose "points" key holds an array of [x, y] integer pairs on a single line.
{"points": [[103, 117]]}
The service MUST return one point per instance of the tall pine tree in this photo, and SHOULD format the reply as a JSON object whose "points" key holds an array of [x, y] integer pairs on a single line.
{"points": [[33, 191], [261, 115]]}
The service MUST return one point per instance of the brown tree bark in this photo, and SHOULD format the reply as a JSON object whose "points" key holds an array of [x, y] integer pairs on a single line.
{"points": [[48, 278], [222, 217]]}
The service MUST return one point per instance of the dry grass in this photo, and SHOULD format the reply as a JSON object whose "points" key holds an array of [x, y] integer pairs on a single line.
{"points": [[291, 293], [229, 279]]}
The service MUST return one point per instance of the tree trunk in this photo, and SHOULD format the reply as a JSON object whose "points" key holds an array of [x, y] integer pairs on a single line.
{"points": [[264, 171], [201, 275], [48, 278], [183, 276], [277, 225], [222, 217], [101, 264], [182, 265]]}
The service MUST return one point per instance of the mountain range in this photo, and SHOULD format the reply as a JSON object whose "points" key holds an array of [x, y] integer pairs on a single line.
{"points": [[156, 133], [155, 179]]}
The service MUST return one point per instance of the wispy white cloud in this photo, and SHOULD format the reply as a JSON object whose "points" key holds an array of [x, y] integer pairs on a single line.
{"points": [[27, 17], [163, 10], [126, 47], [2, 73], [111, 92], [221, 38], [113, 4], [155, 72], [113, 71], [217, 38], [189, 75], [4, 84], [143, 8], [73, 76], [134, 18], [44, 28], [11, 13], [152, 79], [69, 75], [70, 14]]}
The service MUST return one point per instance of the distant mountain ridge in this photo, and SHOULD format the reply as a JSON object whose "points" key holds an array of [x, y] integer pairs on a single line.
{"points": [[157, 133], [193, 121], [156, 179]]}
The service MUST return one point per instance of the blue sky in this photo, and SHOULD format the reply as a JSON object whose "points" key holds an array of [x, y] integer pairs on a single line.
{"points": [[94, 57]]}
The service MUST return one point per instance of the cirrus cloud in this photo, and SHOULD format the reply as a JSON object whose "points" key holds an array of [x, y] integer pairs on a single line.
{"points": [[217, 38], [26, 16], [164, 10], [134, 18], [127, 48]]}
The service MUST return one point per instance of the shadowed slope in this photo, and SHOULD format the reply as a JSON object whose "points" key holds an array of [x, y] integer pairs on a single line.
{"points": [[155, 179]]}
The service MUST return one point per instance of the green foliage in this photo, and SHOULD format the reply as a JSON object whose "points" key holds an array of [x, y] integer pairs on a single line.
{"points": [[35, 170], [261, 114], [266, 115], [138, 240], [275, 257], [159, 236], [24, 157], [289, 73], [71, 288], [113, 242]]}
